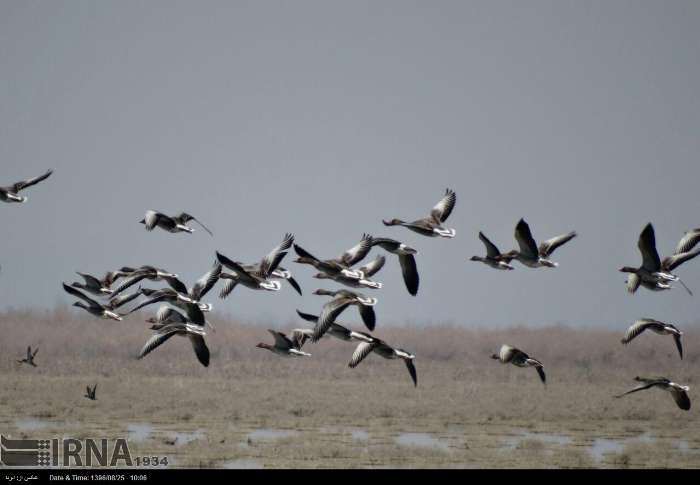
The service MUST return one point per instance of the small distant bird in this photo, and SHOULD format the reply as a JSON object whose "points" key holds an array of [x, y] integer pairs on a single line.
{"points": [[107, 311], [381, 348], [655, 274], [494, 257], [181, 326], [91, 393], [341, 300], [29, 359], [368, 270], [257, 278], [283, 346], [511, 355], [342, 264], [678, 392], [532, 256], [432, 226], [11, 193], [655, 326], [407, 260], [301, 335], [173, 224]]}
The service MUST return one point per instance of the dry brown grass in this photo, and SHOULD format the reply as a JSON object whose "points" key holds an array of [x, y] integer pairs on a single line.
{"points": [[465, 400]]}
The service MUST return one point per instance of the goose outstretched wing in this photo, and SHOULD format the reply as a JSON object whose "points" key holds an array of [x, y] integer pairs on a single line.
{"points": [[81, 295], [526, 242], [550, 245], [270, 262], [443, 209], [672, 262], [362, 350], [638, 327], [647, 246], [202, 286], [373, 266], [32, 181], [358, 252], [184, 218], [491, 249]]}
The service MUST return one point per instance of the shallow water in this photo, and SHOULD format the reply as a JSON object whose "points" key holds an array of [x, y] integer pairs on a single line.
{"points": [[182, 438], [31, 424], [243, 463], [601, 446], [139, 432], [558, 439], [270, 434], [360, 435], [423, 440]]}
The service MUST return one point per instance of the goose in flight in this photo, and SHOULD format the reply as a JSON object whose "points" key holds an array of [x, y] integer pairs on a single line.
{"points": [[342, 264], [367, 270], [279, 273], [259, 279], [529, 254], [657, 327], [678, 392], [654, 273], [177, 325], [11, 193], [96, 286], [494, 257], [407, 260], [91, 393], [283, 346], [301, 335], [511, 355], [173, 224], [164, 316], [146, 272], [341, 300], [432, 225], [191, 307], [200, 288], [381, 348], [106, 311], [29, 359]]}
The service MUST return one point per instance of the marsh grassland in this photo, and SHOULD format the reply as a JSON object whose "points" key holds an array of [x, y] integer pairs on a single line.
{"points": [[253, 409]]}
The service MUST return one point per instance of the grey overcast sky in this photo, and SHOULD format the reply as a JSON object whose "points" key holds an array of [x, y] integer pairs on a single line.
{"points": [[323, 117]]}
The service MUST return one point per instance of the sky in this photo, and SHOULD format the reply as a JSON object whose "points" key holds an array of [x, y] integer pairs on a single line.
{"points": [[324, 117]]}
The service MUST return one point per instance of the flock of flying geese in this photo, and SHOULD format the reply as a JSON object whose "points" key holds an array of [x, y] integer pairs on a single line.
{"points": [[182, 311]]}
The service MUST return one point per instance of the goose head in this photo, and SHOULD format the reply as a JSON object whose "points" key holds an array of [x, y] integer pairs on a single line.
{"points": [[628, 269], [322, 276], [392, 222], [323, 292], [476, 258], [263, 345], [496, 357]]}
